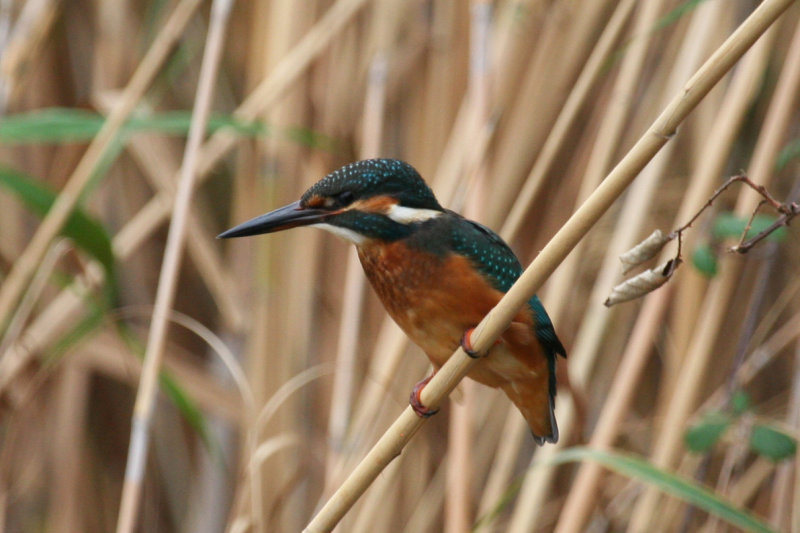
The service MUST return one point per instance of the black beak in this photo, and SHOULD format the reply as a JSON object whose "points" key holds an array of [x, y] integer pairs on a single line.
{"points": [[288, 216]]}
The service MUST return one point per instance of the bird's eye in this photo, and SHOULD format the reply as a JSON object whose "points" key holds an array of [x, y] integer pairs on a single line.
{"points": [[345, 197]]}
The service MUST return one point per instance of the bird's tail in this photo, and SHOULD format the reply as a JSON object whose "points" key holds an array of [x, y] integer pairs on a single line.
{"points": [[532, 397]]}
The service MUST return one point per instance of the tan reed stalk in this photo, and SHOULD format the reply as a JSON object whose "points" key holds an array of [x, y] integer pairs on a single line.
{"points": [[564, 276], [716, 305], [761, 356], [505, 461], [25, 38], [574, 44], [372, 512], [34, 292], [429, 503], [112, 42], [393, 485], [354, 287], [535, 488], [269, 32], [392, 342], [584, 491], [579, 223], [460, 453], [783, 496], [513, 45], [556, 138], [261, 98], [746, 487], [22, 269], [158, 163], [68, 450], [372, 397], [743, 490], [154, 213], [793, 496], [148, 387]]}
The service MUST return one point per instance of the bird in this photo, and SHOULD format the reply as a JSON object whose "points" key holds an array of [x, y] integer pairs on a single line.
{"points": [[437, 274]]}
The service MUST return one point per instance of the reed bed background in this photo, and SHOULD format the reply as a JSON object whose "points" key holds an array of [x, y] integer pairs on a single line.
{"points": [[280, 368]]}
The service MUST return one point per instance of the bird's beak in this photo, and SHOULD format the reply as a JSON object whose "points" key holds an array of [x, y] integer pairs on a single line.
{"points": [[288, 216]]}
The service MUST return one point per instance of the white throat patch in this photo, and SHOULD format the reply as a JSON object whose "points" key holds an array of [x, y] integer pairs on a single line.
{"points": [[408, 215], [346, 234]]}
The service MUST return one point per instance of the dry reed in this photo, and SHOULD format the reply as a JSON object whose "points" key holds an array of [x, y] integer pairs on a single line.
{"points": [[517, 123]]}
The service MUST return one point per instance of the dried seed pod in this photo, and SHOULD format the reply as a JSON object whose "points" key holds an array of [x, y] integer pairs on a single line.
{"points": [[645, 250], [646, 282]]}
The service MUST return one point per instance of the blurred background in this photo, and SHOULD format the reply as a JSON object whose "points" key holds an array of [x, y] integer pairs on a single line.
{"points": [[281, 368]]}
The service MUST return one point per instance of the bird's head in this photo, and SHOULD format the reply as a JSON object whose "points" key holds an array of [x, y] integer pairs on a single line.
{"points": [[372, 199]]}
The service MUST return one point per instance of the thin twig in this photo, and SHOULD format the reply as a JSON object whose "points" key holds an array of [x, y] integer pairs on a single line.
{"points": [[790, 209], [789, 212], [648, 281], [575, 228], [587, 486], [699, 354], [709, 202]]}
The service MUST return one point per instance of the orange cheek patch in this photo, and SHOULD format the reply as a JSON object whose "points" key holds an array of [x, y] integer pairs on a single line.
{"points": [[376, 204], [316, 201]]}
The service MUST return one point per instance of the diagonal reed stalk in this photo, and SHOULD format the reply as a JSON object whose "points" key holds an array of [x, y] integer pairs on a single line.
{"points": [[156, 211], [700, 355], [16, 281], [576, 227], [148, 386], [565, 102], [739, 97]]}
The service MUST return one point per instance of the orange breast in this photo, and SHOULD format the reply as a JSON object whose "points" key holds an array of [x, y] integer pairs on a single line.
{"points": [[435, 299]]}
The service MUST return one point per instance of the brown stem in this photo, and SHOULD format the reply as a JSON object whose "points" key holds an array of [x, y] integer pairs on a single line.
{"points": [[789, 212]]}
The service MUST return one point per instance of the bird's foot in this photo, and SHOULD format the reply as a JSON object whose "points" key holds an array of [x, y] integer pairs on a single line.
{"points": [[466, 344], [416, 401]]}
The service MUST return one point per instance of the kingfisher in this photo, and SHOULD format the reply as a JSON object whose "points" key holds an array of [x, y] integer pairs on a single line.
{"points": [[437, 274]]}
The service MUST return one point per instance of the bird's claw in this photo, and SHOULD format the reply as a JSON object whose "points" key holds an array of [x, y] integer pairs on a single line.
{"points": [[416, 401], [466, 344]]}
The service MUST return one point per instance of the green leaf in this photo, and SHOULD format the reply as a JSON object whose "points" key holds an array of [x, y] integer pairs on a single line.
{"points": [[740, 402], [787, 154], [178, 122], [87, 233], [704, 435], [173, 390], [771, 443], [59, 125], [668, 482], [762, 222], [730, 226], [704, 260], [677, 13], [51, 125], [92, 319], [64, 125], [186, 406]]}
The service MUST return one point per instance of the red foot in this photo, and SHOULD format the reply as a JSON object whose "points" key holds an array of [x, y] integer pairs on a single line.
{"points": [[416, 402], [466, 344]]}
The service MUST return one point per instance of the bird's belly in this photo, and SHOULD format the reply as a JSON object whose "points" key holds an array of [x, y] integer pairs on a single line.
{"points": [[435, 300]]}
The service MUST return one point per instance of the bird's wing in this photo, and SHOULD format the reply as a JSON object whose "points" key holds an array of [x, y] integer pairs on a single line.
{"points": [[495, 259]]}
